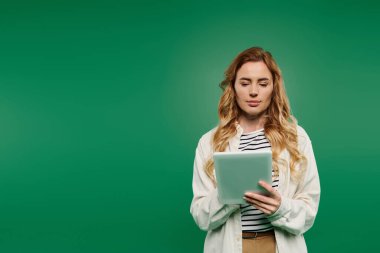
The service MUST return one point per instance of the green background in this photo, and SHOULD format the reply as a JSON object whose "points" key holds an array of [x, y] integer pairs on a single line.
{"points": [[102, 104]]}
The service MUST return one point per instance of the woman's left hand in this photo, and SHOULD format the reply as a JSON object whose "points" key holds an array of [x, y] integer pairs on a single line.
{"points": [[267, 204]]}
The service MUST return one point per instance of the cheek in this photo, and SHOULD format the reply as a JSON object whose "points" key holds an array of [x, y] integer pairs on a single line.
{"points": [[238, 94], [268, 96]]}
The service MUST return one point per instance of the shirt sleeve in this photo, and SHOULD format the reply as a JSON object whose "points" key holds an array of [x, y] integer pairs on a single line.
{"points": [[206, 209], [297, 214]]}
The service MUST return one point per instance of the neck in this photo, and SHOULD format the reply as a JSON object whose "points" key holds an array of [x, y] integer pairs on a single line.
{"points": [[251, 123]]}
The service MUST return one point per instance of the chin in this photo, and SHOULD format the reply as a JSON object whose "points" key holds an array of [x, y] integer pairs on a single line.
{"points": [[252, 113]]}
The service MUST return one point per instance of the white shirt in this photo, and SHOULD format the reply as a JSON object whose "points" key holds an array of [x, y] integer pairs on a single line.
{"points": [[296, 214]]}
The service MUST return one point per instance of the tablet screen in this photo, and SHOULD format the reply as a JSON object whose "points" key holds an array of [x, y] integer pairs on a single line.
{"points": [[239, 172]]}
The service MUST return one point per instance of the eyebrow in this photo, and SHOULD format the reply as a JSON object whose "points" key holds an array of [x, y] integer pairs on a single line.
{"points": [[249, 79]]}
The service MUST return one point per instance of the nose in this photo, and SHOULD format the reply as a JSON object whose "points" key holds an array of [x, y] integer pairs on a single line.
{"points": [[253, 90]]}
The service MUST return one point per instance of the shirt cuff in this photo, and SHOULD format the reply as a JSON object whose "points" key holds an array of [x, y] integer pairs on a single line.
{"points": [[281, 211]]}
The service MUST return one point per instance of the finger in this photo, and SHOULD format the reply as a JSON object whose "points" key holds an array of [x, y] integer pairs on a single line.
{"points": [[267, 209], [263, 205], [268, 187], [262, 198], [257, 206]]}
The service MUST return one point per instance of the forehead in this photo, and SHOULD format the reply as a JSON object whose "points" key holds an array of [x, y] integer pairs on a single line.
{"points": [[254, 70]]}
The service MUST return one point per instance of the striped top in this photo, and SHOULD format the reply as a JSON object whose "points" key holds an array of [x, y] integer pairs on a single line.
{"points": [[252, 219]]}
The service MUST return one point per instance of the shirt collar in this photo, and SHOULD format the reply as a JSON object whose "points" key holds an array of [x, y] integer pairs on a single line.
{"points": [[239, 129], [235, 140]]}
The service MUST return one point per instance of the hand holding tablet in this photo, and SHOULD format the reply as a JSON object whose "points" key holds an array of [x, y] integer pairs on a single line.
{"points": [[268, 204]]}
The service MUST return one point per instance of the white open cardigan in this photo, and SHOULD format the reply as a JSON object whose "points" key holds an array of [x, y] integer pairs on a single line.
{"points": [[296, 214]]}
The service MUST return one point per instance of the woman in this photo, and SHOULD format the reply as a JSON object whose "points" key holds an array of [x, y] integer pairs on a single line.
{"points": [[254, 114]]}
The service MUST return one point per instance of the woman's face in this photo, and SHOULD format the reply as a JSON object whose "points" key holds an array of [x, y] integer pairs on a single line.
{"points": [[254, 87]]}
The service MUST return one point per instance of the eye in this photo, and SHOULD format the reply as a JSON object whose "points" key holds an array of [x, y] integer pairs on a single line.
{"points": [[244, 84], [264, 84]]}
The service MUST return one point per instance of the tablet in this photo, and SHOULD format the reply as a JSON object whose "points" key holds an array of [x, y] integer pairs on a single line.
{"points": [[239, 172]]}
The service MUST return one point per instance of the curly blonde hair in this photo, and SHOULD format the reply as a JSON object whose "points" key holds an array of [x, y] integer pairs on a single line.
{"points": [[280, 126]]}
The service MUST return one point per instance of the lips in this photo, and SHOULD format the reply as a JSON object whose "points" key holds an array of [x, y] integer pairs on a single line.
{"points": [[253, 103]]}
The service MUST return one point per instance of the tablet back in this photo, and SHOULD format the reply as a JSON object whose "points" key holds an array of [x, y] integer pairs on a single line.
{"points": [[239, 172]]}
